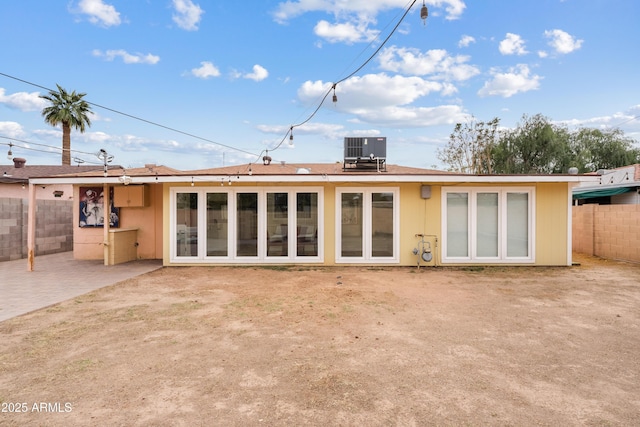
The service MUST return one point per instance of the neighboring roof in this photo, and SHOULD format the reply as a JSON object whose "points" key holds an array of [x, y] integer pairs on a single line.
{"points": [[610, 182], [307, 173], [117, 171], [11, 174]]}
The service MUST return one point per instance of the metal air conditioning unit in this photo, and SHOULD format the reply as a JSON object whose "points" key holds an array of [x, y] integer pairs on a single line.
{"points": [[365, 153]]}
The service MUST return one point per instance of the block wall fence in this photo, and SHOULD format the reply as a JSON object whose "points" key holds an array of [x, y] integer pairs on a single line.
{"points": [[54, 227], [607, 231]]}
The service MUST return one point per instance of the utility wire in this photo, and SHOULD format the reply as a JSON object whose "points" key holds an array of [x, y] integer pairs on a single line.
{"points": [[289, 132], [333, 86], [138, 118]]}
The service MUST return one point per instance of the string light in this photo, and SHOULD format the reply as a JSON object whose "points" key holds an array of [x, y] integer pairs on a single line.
{"points": [[424, 13], [10, 153], [266, 159]]}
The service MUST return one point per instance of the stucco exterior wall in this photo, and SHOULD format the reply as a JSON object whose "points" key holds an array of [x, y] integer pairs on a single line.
{"points": [[424, 216], [607, 231], [88, 241], [552, 227]]}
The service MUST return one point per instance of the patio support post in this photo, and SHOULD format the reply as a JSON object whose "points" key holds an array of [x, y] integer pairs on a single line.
{"points": [[107, 218], [31, 227]]}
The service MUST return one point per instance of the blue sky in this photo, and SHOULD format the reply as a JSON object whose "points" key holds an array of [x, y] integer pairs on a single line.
{"points": [[217, 83]]}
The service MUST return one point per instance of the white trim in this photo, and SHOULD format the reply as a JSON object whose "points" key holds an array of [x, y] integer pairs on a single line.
{"points": [[367, 256], [355, 177], [232, 256], [472, 225]]}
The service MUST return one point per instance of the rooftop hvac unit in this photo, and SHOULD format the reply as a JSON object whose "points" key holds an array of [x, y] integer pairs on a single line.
{"points": [[365, 153]]}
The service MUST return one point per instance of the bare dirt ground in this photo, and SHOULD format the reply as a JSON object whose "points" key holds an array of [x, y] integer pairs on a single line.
{"points": [[334, 346]]}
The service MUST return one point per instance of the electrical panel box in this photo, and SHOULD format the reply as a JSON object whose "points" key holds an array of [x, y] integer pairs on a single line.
{"points": [[130, 196]]}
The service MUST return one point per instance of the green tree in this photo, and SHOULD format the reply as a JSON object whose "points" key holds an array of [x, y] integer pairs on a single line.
{"points": [[69, 110], [470, 147], [594, 149], [535, 146]]}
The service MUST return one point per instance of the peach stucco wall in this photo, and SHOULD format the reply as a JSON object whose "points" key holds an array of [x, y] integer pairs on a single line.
{"points": [[88, 242], [607, 231]]}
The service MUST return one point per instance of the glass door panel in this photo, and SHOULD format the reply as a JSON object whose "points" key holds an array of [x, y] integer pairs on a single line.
{"points": [[307, 224], [457, 225], [187, 224], [247, 224], [487, 225], [217, 224], [382, 224], [517, 224], [352, 230], [277, 224]]}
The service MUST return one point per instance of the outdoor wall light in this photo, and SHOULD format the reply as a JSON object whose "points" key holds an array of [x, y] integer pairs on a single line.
{"points": [[125, 179]]}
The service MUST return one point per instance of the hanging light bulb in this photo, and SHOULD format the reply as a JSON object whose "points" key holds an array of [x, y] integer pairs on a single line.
{"points": [[291, 135], [10, 153], [335, 97], [424, 13], [192, 184]]}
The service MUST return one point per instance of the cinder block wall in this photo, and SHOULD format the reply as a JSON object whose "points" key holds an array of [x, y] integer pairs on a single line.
{"points": [[615, 231], [583, 229], [54, 227]]}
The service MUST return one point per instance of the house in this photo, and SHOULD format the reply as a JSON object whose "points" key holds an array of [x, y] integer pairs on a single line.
{"points": [[606, 215], [349, 213], [620, 186]]}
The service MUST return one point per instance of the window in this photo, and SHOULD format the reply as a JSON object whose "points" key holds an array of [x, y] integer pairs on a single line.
{"points": [[488, 224], [367, 225], [249, 224]]}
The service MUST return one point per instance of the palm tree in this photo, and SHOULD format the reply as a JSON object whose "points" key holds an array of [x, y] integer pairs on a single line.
{"points": [[70, 110]]}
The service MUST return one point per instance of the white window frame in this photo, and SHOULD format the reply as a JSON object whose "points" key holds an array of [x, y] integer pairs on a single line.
{"points": [[231, 257], [502, 257], [367, 226]]}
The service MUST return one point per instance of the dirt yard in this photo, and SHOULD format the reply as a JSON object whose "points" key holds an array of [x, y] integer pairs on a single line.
{"points": [[333, 346]]}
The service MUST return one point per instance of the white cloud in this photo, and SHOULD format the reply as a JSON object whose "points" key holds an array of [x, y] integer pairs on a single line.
{"points": [[385, 100], [259, 73], [346, 32], [436, 62], [127, 58], [188, 14], [516, 80], [512, 45], [100, 13], [327, 130], [562, 42], [290, 9], [11, 129], [23, 101], [206, 70], [466, 40]]}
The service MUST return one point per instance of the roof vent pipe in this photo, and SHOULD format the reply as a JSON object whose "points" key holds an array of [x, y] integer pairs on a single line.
{"points": [[18, 162]]}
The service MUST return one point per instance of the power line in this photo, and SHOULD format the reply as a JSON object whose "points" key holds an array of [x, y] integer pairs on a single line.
{"points": [[289, 132], [138, 118]]}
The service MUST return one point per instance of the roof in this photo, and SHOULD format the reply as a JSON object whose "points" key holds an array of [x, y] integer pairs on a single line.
{"points": [[11, 174], [610, 182], [150, 170], [308, 173], [259, 169]]}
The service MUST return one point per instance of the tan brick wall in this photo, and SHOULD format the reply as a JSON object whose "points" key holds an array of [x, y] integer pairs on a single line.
{"points": [[607, 231]]}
